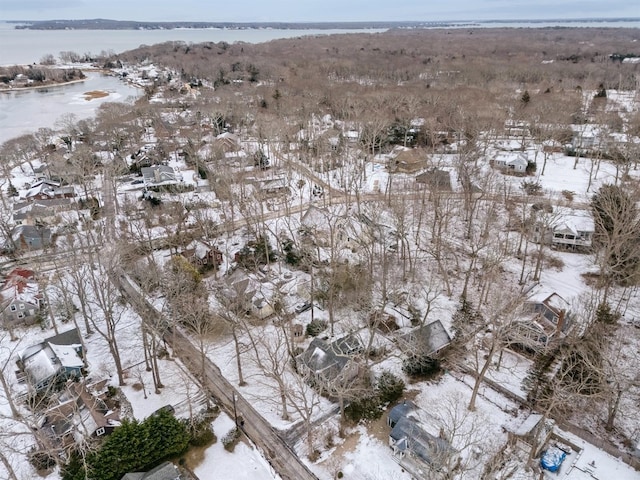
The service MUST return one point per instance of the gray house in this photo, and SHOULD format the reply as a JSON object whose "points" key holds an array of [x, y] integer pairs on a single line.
{"points": [[413, 447], [159, 175], [164, 471], [327, 363], [425, 340], [20, 298], [54, 360], [29, 237]]}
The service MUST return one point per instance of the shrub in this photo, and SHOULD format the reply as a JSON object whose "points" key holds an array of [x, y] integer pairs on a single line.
{"points": [[201, 433], [315, 327], [367, 408], [421, 366], [604, 314], [230, 440], [531, 188], [568, 195], [42, 460], [389, 387]]}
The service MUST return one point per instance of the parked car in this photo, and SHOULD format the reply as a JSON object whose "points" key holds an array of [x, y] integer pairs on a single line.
{"points": [[302, 307], [165, 408]]}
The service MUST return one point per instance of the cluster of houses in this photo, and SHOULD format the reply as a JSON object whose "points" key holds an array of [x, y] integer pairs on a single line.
{"points": [[40, 210], [70, 407]]}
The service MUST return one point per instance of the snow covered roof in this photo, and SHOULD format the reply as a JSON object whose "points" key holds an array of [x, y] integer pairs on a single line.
{"points": [[67, 355], [44, 360], [427, 338], [20, 285], [39, 366], [159, 174], [538, 293], [573, 221]]}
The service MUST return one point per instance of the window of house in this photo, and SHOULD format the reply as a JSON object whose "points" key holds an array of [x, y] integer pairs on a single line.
{"points": [[100, 431], [13, 308], [20, 315], [22, 306]]}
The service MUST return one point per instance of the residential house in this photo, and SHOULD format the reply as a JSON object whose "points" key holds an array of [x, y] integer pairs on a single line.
{"points": [[345, 230], [227, 142], [514, 128], [584, 140], [510, 163], [160, 175], [83, 411], [29, 237], [46, 189], [545, 316], [203, 256], [39, 212], [407, 160], [414, 448], [273, 186], [164, 471], [244, 295], [52, 361], [435, 180], [352, 136], [567, 229], [315, 226], [326, 364], [20, 298], [425, 340]]}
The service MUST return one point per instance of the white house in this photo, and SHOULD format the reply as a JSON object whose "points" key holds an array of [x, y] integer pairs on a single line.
{"points": [[567, 229], [511, 163]]}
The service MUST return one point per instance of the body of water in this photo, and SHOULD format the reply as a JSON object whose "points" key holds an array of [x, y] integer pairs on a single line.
{"points": [[27, 110], [29, 46], [24, 111]]}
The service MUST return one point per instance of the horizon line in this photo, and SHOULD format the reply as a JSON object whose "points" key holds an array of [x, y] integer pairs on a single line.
{"points": [[501, 20]]}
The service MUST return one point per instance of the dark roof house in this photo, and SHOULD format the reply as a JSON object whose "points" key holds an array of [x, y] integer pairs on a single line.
{"points": [[30, 237], [83, 411], [54, 360], [164, 471], [329, 362], [160, 175], [426, 340], [415, 448], [435, 179]]}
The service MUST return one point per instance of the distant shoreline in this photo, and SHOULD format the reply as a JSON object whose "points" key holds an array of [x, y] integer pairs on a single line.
{"points": [[107, 24], [37, 87]]}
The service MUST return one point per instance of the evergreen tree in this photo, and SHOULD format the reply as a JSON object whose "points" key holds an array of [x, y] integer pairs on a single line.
{"points": [[132, 447]]}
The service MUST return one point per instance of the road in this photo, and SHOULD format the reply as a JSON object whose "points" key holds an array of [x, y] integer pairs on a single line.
{"points": [[280, 455]]}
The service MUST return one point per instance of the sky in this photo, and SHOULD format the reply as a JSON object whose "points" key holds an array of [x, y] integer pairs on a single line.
{"points": [[315, 10]]}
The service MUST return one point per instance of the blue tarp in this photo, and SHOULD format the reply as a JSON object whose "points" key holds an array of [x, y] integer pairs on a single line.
{"points": [[552, 459]]}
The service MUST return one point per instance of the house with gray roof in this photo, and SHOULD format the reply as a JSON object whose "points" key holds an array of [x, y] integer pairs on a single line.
{"points": [[414, 448], [326, 363], [160, 175], [53, 361], [29, 237], [164, 471], [425, 340]]}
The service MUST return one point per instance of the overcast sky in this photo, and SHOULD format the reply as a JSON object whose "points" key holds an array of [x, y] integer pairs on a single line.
{"points": [[315, 10]]}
